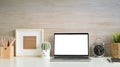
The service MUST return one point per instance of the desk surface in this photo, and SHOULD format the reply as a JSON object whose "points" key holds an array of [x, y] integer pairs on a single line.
{"points": [[42, 62]]}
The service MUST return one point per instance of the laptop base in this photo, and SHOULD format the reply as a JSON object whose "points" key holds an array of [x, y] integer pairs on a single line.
{"points": [[70, 60]]}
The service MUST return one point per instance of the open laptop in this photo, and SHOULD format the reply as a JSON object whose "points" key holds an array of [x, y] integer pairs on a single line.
{"points": [[71, 47]]}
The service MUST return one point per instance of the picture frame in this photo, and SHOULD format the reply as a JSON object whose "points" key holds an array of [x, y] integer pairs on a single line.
{"points": [[28, 42]]}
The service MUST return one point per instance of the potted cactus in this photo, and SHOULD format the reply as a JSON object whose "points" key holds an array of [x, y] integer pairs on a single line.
{"points": [[115, 47], [46, 46]]}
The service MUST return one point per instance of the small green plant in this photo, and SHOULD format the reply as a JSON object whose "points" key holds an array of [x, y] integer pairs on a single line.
{"points": [[116, 37], [46, 46]]}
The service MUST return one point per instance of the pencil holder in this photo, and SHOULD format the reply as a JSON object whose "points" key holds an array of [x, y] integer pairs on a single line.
{"points": [[7, 52]]}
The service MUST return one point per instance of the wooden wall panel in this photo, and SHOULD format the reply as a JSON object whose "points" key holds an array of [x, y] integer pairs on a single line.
{"points": [[100, 18]]}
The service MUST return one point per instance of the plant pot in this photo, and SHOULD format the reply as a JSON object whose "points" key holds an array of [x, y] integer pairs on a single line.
{"points": [[46, 53], [115, 50]]}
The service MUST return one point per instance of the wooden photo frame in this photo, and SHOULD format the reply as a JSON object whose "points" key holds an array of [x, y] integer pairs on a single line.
{"points": [[28, 42]]}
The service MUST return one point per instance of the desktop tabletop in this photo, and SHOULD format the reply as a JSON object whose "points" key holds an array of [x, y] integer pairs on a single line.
{"points": [[44, 62]]}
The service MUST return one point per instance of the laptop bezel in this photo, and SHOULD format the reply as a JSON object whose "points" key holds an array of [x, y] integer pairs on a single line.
{"points": [[70, 55]]}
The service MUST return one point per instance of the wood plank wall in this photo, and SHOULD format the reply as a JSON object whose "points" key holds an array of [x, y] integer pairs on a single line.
{"points": [[100, 18]]}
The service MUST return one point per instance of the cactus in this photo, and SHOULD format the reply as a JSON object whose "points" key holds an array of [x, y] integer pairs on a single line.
{"points": [[116, 37], [46, 46]]}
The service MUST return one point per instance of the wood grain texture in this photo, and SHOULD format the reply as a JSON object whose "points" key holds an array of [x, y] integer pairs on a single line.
{"points": [[7, 53], [29, 42], [100, 18]]}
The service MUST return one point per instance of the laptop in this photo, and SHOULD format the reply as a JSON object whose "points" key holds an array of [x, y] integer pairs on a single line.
{"points": [[71, 47]]}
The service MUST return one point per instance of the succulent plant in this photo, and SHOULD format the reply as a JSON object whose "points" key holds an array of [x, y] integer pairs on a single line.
{"points": [[46, 46], [116, 37]]}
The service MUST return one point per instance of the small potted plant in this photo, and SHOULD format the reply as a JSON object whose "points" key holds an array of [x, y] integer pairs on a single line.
{"points": [[115, 47], [46, 46]]}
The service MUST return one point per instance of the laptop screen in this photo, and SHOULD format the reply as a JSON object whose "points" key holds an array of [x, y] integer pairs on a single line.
{"points": [[74, 44]]}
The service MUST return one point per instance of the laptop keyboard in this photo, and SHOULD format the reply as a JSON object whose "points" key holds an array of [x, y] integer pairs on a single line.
{"points": [[70, 59]]}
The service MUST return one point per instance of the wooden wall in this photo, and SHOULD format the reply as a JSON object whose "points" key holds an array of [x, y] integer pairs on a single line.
{"points": [[100, 18]]}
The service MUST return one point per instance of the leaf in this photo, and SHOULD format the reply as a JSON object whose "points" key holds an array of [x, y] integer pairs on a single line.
{"points": [[116, 37]]}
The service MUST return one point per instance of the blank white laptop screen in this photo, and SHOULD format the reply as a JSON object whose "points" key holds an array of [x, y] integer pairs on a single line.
{"points": [[71, 44]]}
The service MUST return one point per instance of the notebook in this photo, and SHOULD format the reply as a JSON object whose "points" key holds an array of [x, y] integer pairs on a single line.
{"points": [[115, 60]]}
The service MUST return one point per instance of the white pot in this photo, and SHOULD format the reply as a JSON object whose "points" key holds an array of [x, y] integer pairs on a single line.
{"points": [[46, 53]]}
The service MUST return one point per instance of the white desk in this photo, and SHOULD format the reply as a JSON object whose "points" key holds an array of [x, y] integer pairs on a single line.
{"points": [[41, 62]]}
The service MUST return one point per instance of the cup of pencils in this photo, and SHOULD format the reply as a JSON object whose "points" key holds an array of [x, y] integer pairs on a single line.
{"points": [[7, 47]]}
